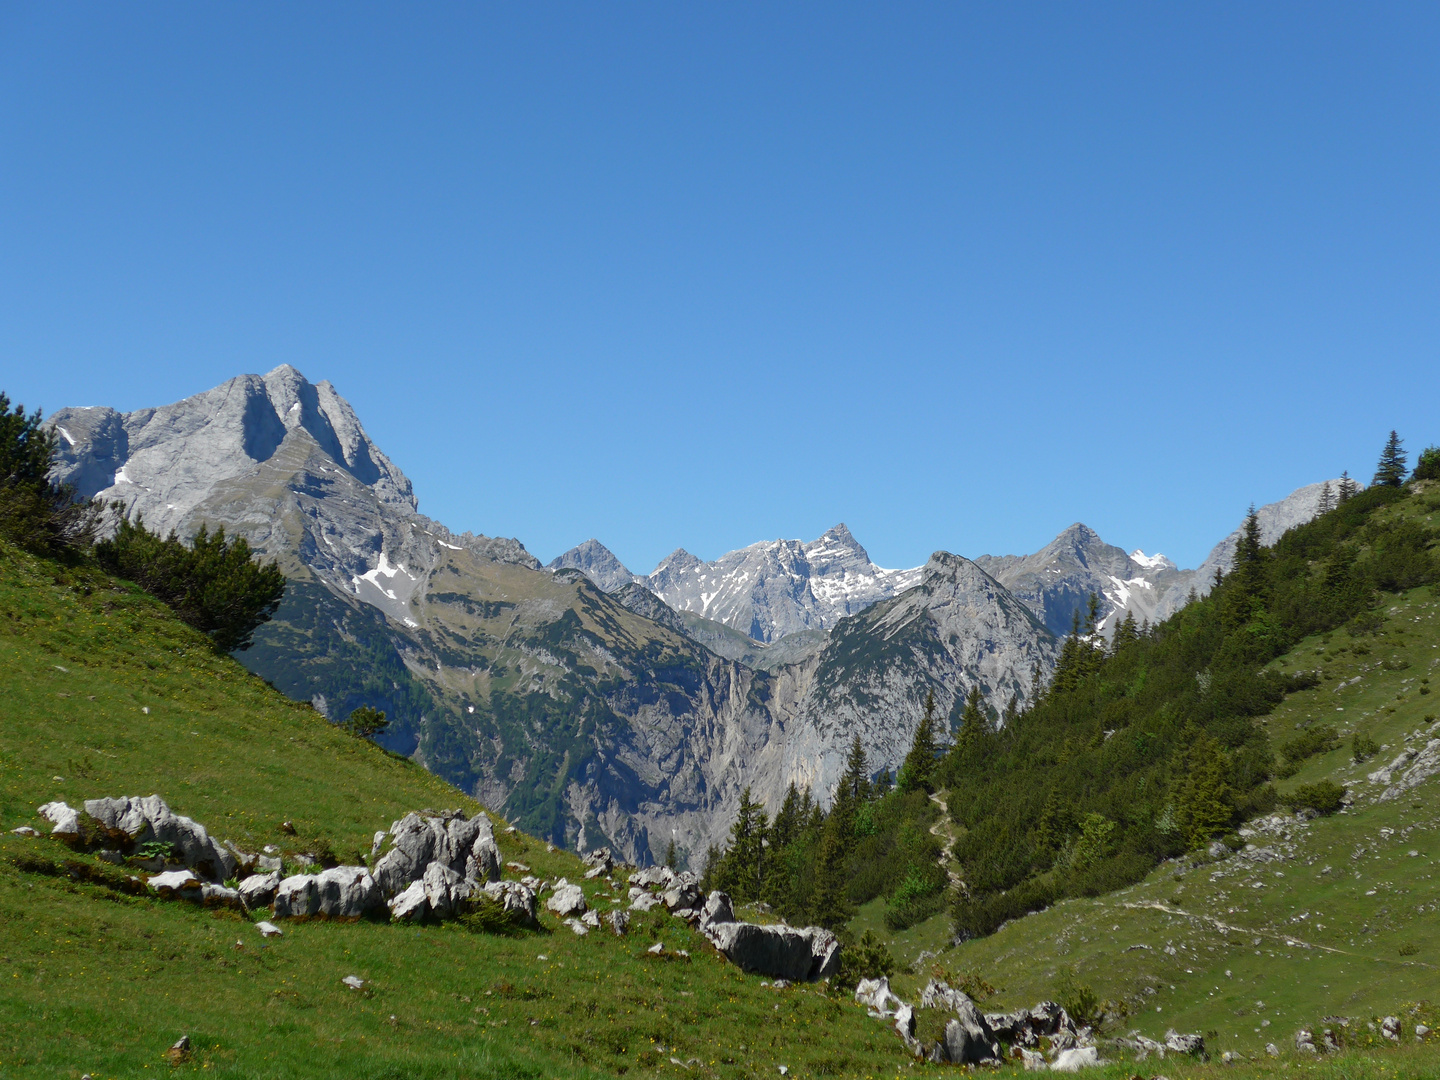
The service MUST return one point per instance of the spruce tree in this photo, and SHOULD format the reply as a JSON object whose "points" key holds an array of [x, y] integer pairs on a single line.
{"points": [[742, 868], [1390, 472], [789, 821], [1206, 808], [918, 769], [1348, 489], [672, 859], [855, 783], [972, 723], [1327, 500], [829, 906]]}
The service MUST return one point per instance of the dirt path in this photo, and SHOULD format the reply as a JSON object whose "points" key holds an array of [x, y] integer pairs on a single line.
{"points": [[1289, 939], [946, 841]]}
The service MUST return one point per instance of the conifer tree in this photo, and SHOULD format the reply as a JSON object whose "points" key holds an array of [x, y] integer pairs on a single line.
{"points": [[829, 906], [742, 868], [918, 769], [1126, 632], [789, 821], [855, 783], [1390, 472], [972, 723], [1327, 500], [1012, 711], [1206, 809], [672, 859], [1348, 489], [1247, 576]]}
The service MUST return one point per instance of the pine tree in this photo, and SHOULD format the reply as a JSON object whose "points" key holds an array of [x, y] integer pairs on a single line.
{"points": [[1245, 594], [1206, 809], [1390, 472], [1012, 711], [1327, 500], [918, 768], [742, 868], [1348, 489], [829, 906], [855, 783], [972, 724], [789, 821], [672, 859], [1126, 632]]}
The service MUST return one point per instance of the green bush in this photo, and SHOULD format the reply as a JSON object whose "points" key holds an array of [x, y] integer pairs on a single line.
{"points": [[866, 957], [1428, 467], [1324, 797], [1363, 747], [365, 722], [213, 584], [1316, 740]]}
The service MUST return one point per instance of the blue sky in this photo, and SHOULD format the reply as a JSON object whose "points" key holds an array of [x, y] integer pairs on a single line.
{"points": [[698, 274]]}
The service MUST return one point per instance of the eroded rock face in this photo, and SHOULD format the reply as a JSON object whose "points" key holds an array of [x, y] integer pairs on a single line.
{"points": [[130, 821], [969, 1038], [258, 890], [342, 892], [464, 846], [1026, 1027]]}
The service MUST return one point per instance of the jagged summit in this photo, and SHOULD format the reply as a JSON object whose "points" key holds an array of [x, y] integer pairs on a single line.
{"points": [[598, 563]]}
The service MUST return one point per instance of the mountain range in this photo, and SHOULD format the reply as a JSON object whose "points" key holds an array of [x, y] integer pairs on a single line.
{"points": [[590, 704]]}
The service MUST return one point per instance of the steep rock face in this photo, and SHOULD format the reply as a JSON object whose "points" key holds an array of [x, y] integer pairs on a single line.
{"points": [[957, 628], [779, 587], [1058, 580]]}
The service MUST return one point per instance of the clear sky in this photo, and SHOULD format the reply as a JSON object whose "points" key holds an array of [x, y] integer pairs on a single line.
{"points": [[695, 274]]}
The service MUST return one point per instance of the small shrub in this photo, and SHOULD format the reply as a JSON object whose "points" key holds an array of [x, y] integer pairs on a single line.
{"points": [[487, 916], [1324, 797], [864, 958], [1363, 748], [365, 722], [1409, 949], [157, 849], [1428, 466], [1316, 740], [1077, 998]]}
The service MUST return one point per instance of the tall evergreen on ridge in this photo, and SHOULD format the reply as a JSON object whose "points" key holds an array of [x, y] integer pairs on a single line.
{"points": [[1390, 472], [919, 765], [855, 783], [1348, 488], [1327, 499], [972, 724]]}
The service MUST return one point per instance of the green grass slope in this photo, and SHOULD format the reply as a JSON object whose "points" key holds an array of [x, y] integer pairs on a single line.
{"points": [[1337, 916], [93, 980]]}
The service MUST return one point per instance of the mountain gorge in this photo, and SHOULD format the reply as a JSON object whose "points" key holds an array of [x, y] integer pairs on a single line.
{"points": [[592, 705]]}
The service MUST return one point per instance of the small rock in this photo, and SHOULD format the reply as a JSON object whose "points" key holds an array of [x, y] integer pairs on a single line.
{"points": [[288, 828], [568, 900], [1272, 1050], [784, 1070], [1421, 1031], [25, 830], [1194, 1045], [657, 948], [180, 1051], [353, 982], [269, 929], [619, 922], [1390, 1028], [591, 920], [1074, 1059], [578, 927], [518, 867], [66, 819]]}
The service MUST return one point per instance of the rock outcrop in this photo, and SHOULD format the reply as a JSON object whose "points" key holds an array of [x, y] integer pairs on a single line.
{"points": [[779, 951], [129, 822], [466, 847], [342, 892]]}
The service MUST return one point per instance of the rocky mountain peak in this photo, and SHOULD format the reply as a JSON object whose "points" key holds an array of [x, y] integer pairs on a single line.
{"points": [[597, 562]]}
